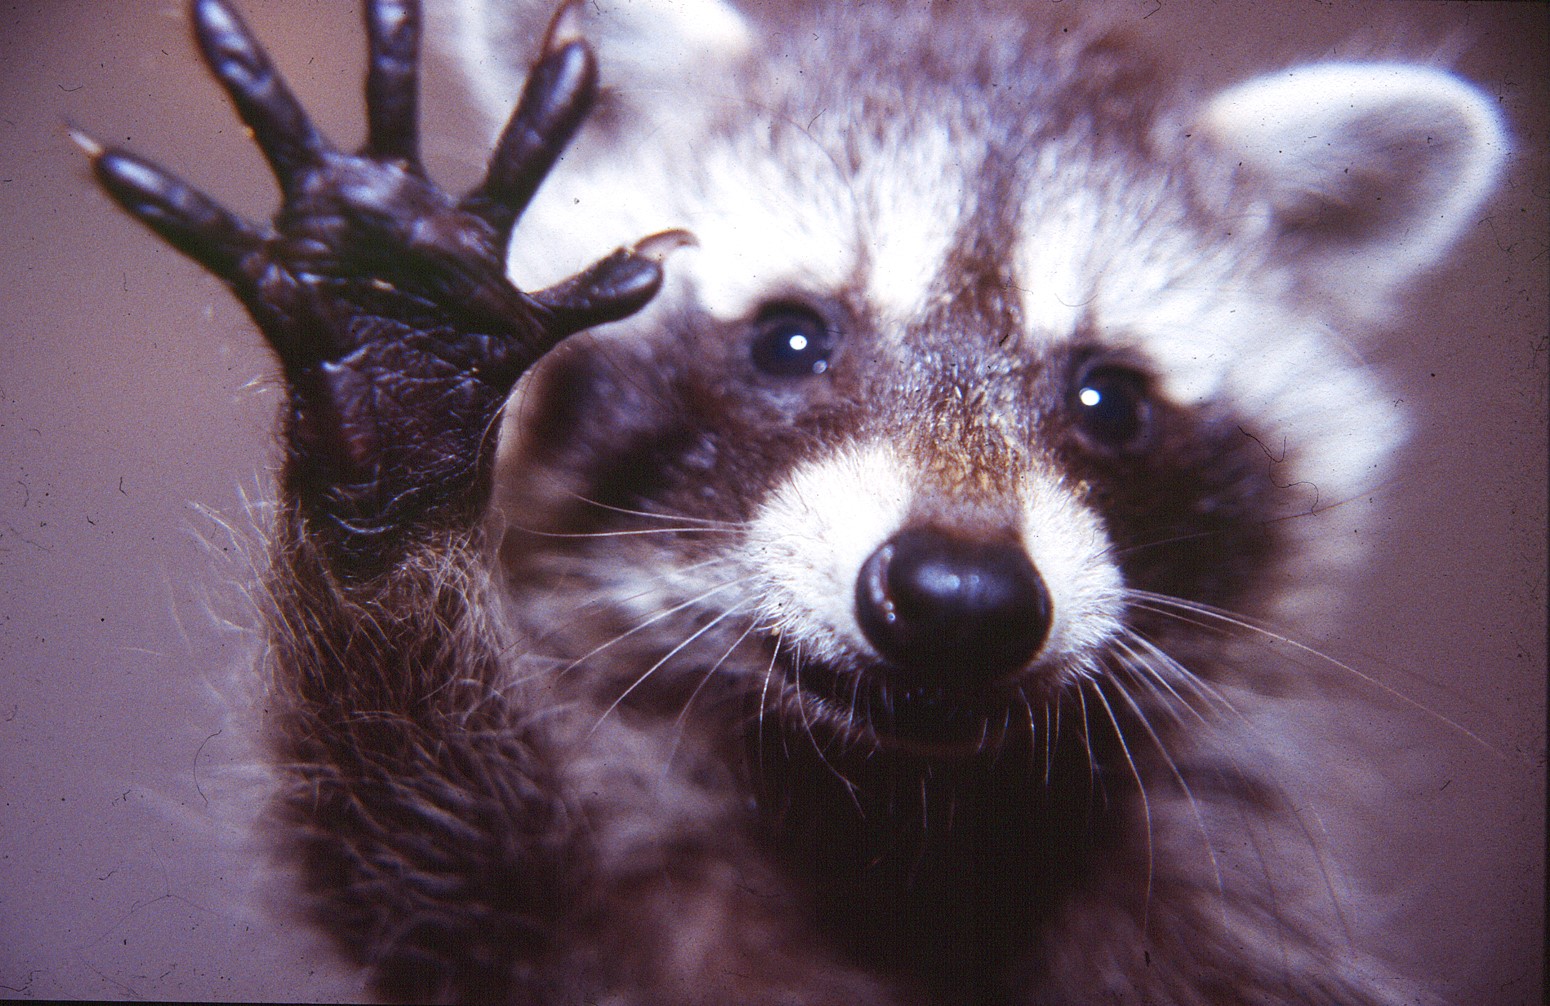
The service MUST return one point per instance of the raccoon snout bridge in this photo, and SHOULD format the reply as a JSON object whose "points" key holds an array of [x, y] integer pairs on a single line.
{"points": [[946, 610]]}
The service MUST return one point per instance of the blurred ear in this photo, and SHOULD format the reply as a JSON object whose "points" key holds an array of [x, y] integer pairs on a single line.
{"points": [[1370, 171], [649, 51]]}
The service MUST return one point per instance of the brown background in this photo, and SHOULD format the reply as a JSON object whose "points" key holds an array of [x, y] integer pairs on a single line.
{"points": [[134, 397]]}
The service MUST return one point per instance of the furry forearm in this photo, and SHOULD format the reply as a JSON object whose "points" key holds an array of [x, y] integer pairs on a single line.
{"points": [[429, 837]]}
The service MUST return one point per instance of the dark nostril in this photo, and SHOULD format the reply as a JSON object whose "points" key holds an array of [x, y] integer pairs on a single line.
{"points": [[943, 607]]}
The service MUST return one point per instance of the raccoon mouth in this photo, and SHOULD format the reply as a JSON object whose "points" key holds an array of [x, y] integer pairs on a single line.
{"points": [[875, 705]]}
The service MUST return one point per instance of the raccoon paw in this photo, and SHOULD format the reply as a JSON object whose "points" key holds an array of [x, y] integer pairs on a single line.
{"points": [[384, 297]]}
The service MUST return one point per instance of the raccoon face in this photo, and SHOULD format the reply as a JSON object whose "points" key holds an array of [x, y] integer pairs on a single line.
{"points": [[968, 402], [881, 538]]}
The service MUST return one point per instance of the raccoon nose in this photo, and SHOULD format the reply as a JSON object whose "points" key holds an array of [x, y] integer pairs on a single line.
{"points": [[940, 607]]}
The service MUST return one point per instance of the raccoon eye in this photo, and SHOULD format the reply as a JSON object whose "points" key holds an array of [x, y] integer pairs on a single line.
{"points": [[791, 341], [1113, 408]]}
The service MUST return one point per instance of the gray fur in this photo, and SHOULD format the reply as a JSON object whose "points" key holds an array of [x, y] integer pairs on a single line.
{"points": [[568, 758]]}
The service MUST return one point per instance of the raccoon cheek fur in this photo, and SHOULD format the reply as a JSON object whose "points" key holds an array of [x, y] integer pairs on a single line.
{"points": [[868, 609]]}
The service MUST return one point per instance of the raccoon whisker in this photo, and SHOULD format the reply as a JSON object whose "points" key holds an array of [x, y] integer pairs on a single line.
{"points": [[650, 621], [678, 723], [1143, 662], [1173, 767], [1034, 735], [1209, 693], [1214, 700], [1326, 874], [1196, 683], [1178, 610], [641, 679], [1146, 803], [703, 521], [1144, 667], [602, 597], [857, 714], [1006, 727], [1127, 659], [622, 534], [1219, 617], [1087, 743], [1058, 711], [982, 742], [1128, 670], [807, 724], [1265, 860], [1115, 551], [645, 623], [1051, 737], [764, 694], [851, 788], [925, 824]]}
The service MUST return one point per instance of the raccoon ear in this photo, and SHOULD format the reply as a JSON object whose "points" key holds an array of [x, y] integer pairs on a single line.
{"points": [[1371, 171], [647, 49]]}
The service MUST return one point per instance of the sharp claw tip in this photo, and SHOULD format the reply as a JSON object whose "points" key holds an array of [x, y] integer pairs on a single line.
{"points": [[93, 149], [564, 27], [657, 247]]}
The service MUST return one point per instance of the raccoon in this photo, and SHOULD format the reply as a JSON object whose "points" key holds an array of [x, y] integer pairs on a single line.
{"points": [[856, 588]]}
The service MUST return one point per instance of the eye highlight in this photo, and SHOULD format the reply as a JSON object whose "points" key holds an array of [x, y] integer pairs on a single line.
{"points": [[791, 341], [1112, 408]]}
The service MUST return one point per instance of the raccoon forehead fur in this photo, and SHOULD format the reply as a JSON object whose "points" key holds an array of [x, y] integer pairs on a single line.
{"points": [[874, 616]]}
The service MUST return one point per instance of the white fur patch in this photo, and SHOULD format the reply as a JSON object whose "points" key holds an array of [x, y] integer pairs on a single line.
{"points": [[810, 539], [770, 207], [647, 44], [768, 223], [790, 220], [1071, 551], [915, 198], [1399, 156], [1217, 322], [1220, 333]]}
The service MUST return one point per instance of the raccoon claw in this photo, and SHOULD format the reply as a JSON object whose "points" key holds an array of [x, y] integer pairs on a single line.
{"points": [[557, 97], [187, 219], [385, 298], [613, 288]]}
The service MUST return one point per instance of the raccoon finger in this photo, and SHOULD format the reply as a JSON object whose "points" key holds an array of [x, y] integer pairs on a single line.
{"points": [[555, 100], [612, 288], [282, 130], [190, 221], [392, 81]]}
